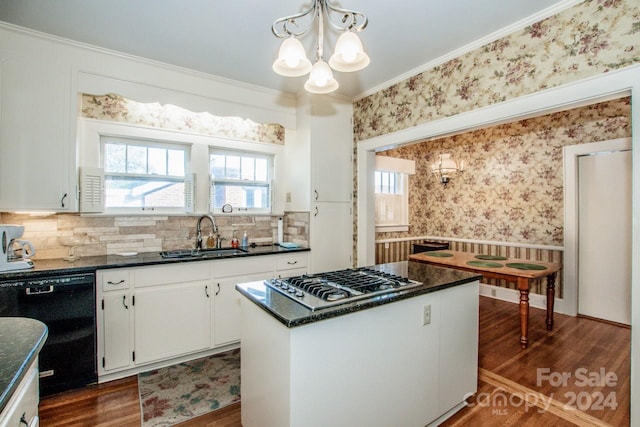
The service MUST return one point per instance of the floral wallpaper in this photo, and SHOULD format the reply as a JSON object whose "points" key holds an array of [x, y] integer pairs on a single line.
{"points": [[512, 186], [116, 108], [590, 38]]}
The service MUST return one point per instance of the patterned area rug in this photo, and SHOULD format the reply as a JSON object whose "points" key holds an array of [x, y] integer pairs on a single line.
{"points": [[180, 392]]}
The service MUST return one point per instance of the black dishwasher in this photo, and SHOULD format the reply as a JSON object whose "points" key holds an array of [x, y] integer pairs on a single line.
{"points": [[66, 304]]}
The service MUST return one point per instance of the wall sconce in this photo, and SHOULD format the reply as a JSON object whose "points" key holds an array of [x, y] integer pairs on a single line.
{"points": [[445, 168]]}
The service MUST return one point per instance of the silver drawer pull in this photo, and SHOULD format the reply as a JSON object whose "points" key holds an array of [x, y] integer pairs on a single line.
{"points": [[35, 291], [115, 283], [292, 263]]}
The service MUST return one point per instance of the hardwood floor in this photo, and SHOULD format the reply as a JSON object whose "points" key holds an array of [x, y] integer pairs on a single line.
{"points": [[582, 363]]}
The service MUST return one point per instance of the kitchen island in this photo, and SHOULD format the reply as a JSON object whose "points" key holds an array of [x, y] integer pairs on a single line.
{"points": [[20, 342], [403, 358]]}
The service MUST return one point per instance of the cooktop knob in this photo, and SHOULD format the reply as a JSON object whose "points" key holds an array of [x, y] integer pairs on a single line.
{"points": [[299, 294]]}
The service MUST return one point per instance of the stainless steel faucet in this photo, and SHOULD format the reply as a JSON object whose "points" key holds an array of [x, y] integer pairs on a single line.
{"points": [[214, 229]]}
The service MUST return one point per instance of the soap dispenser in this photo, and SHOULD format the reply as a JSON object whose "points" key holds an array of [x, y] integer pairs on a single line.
{"points": [[234, 240], [245, 239]]}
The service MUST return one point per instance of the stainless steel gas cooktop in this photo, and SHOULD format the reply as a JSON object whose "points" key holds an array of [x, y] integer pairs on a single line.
{"points": [[324, 290]]}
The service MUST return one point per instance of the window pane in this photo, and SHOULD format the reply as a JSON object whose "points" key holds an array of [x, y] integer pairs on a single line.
{"points": [[115, 158], [136, 159], [176, 162], [240, 195], [157, 161], [233, 167], [248, 168], [262, 170], [139, 193], [216, 165]]}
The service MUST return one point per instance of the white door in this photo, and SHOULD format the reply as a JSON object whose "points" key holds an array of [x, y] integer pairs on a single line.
{"points": [[604, 236]]}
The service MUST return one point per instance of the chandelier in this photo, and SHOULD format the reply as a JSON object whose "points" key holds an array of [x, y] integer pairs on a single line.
{"points": [[445, 168], [348, 54]]}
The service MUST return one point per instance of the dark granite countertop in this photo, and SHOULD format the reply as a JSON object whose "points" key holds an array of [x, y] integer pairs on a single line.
{"points": [[292, 314], [20, 342], [45, 267]]}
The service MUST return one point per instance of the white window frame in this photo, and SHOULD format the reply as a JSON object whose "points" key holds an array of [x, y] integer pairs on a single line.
{"points": [[150, 143], [268, 182], [401, 168], [89, 157]]}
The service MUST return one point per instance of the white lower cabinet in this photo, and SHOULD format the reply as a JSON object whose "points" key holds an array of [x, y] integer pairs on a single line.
{"points": [[148, 316], [22, 408], [226, 303], [226, 321], [116, 326], [171, 320]]}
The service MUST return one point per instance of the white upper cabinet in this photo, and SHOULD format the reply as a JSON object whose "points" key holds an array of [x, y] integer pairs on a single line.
{"points": [[322, 148], [37, 165], [331, 151]]}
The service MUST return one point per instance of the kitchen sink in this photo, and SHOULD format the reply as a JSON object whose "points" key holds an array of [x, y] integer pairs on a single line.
{"points": [[203, 253]]}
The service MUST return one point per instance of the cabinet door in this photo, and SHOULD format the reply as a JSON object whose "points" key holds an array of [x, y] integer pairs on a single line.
{"points": [[227, 311], [116, 333], [171, 320], [331, 151], [37, 167], [331, 237]]}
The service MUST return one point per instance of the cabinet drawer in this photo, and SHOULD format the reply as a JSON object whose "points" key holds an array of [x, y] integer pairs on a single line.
{"points": [[166, 274], [113, 280], [244, 266], [288, 262]]}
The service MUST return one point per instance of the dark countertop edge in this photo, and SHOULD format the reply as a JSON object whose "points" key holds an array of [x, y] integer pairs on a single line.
{"points": [[46, 267], [21, 371], [315, 316]]}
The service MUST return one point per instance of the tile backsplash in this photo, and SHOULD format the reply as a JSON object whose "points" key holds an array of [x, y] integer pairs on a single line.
{"points": [[106, 235]]}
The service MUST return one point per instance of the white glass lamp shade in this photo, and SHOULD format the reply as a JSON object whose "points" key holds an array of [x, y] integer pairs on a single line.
{"points": [[348, 55], [321, 79], [292, 60], [445, 166]]}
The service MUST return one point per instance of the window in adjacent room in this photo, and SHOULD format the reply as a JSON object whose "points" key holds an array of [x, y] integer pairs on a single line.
{"points": [[240, 179], [146, 175], [392, 193]]}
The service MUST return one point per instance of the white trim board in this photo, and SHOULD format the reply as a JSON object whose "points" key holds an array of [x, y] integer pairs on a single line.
{"points": [[513, 295]]}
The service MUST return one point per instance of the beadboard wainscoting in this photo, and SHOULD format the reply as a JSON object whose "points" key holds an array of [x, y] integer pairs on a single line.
{"points": [[399, 249]]}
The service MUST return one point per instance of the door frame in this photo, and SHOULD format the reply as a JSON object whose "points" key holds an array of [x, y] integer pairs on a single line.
{"points": [[569, 303]]}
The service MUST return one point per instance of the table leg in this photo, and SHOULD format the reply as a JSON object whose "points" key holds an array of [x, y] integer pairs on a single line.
{"points": [[551, 295], [524, 318], [523, 286]]}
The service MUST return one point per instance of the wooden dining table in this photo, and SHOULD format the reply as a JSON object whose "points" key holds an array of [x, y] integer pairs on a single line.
{"points": [[522, 272]]}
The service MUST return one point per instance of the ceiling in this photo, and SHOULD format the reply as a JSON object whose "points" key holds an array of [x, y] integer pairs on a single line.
{"points": [[232, 38]]}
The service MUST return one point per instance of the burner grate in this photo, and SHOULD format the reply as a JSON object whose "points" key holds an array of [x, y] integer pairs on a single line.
{"points": [[337, 287]]}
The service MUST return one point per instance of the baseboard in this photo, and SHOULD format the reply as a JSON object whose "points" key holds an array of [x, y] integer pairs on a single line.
{"points": [[513, 295]]}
